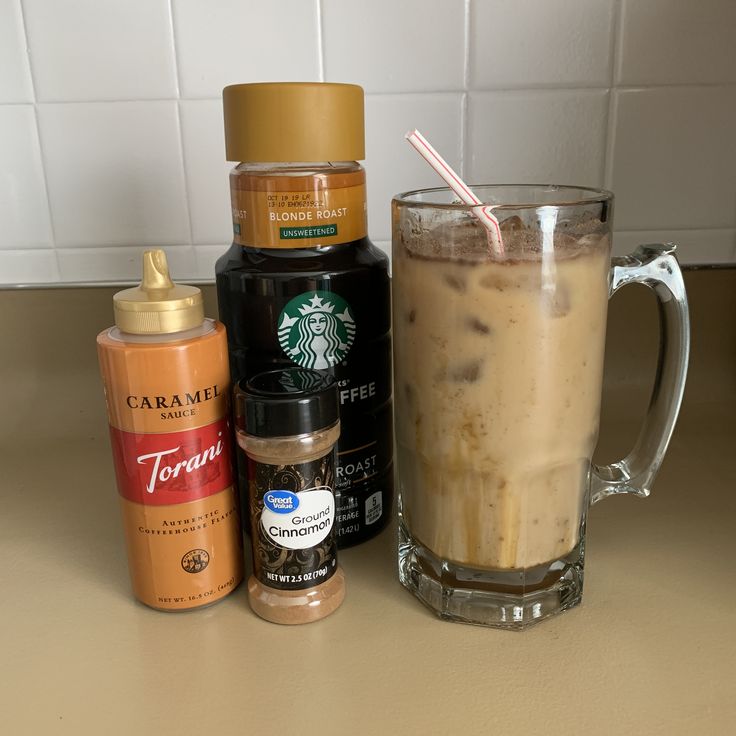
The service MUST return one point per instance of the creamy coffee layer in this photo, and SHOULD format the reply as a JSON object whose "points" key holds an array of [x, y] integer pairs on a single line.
{"points": [[498, 380]]}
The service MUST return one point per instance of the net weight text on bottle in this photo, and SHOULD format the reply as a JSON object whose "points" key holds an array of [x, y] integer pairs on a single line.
{"points": [[303, 578]]}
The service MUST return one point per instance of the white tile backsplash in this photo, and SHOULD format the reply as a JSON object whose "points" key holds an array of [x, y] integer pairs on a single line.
{"points": [[120, 264], [115, 173], [28, 267], [389, 46], [205, 257], [385, 246], [674, 160], [392, 165], [678, 42], [101, 49], [537, 136], [528, 43], [111, 126], [24, 209], [232, 41], [206, 170], [15, 72], [693, 246]]}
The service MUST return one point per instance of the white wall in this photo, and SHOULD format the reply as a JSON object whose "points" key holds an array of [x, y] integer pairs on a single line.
{"points": [[111, 131]]}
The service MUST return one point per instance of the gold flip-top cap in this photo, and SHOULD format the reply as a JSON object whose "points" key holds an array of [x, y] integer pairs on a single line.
{"points": [[158, 305], [294, 121]]}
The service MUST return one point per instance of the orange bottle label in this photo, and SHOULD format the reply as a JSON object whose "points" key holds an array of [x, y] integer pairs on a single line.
{"points": [[299, 212], [171, 450]]}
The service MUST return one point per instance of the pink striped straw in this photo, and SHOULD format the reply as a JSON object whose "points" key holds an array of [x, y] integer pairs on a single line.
{"points": [[484, 212]]}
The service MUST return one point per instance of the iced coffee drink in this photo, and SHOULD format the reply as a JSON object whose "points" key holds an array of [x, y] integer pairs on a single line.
{"points": [[498, 360], [498, 384]]}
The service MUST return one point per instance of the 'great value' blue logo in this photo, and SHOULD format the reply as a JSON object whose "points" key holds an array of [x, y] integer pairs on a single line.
{"points": [[281, 502]]}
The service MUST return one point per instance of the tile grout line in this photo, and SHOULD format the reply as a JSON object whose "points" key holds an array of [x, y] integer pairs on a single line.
{"points": [[52, 230], [210, 279], [466, 84], [631, 231], [180, 129], [466, 41], [612, 113], [418, 93], [320, 43], [463, 134], [174, 50], [185, 177]]}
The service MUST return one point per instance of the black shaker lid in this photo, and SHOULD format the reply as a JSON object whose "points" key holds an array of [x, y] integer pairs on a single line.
{"points": [[286, 402]]}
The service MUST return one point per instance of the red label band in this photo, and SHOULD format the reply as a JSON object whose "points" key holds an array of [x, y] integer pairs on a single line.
{"points": [[175, 467]]}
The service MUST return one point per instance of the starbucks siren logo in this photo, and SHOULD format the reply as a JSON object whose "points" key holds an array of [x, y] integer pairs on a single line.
{"points": [[316, 329]]}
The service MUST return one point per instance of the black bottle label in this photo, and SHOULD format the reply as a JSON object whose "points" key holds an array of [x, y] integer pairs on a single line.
{"points": [[317, 329], [327, 311], [292, 512]]}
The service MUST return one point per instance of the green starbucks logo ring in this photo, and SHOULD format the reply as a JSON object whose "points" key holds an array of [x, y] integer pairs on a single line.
{"points": [[316, 329]]}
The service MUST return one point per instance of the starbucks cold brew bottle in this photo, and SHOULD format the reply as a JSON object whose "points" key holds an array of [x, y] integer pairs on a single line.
{"points": [[302, 284]]}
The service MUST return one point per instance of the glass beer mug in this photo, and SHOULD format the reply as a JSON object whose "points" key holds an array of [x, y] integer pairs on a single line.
{"points": [[498, 371]]}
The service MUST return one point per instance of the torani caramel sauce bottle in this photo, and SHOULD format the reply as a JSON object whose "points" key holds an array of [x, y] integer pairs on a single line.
{"points": [[167, 386], [301, 285]]}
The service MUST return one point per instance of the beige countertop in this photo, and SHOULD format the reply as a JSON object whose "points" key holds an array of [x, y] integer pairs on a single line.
{"points": [[652, 649]]}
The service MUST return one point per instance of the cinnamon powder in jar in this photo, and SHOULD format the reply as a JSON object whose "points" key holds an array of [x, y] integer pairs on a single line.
{"points": [[287, 424]]}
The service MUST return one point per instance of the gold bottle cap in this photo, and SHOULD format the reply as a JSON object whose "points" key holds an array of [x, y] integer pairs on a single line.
{"points": [[158, 305], [294, 121]]}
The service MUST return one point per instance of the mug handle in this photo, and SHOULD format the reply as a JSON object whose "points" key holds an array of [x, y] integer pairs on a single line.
{"points": [[656, 267]]}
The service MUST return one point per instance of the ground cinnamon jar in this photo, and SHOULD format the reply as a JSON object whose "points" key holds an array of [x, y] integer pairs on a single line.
{"points": [[287, 424], [167, 387]]}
